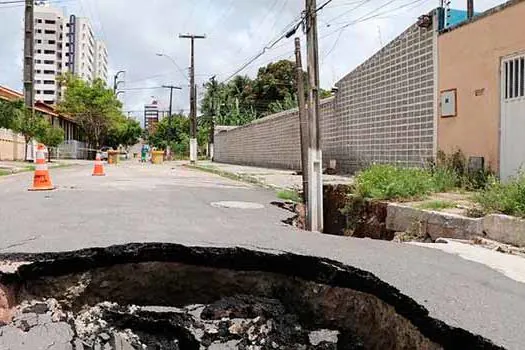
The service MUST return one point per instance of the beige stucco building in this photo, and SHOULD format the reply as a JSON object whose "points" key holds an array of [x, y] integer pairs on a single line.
{"points": [[481, 66]]}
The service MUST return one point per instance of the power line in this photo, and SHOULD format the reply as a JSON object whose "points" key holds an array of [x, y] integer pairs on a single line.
{"points": [[368, 16], [291, 27], [21, 3]]}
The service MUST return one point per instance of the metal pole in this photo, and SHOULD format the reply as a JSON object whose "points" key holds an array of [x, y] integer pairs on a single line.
{"points": [[470, 9], [303, 121], [115, 80], [315, 184]]}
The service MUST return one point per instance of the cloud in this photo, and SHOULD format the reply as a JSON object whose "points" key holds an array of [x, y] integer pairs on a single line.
{"points": [[136, 30]]}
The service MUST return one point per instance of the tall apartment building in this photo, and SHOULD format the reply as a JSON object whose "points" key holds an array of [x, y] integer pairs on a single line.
{"points": [[65, 45], [49, 53], [101, 61]]}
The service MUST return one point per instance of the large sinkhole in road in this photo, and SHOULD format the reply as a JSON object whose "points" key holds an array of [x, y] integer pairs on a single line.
{"points": [[166, 296]]}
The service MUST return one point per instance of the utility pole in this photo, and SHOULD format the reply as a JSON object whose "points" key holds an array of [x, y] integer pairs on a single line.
{"points": [[193, 97], [315, 159], [29, 52], [214, 106], [116, 81], [170, 116], [29, 62], [303, 121]]}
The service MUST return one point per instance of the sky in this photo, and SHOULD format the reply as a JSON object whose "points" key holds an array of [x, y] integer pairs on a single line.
{"points": [[350, 31]]}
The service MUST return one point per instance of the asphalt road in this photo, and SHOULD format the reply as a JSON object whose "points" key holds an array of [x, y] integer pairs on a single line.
{"points": [[146, 203]]}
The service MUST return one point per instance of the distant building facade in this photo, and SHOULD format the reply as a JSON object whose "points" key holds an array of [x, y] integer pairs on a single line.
{"points": [[64, 45]]}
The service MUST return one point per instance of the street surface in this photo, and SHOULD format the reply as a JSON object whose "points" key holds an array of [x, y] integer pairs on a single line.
{"points": [[170, 203]]}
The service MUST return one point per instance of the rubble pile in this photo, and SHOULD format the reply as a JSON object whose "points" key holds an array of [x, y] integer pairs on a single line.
{"points": [[238, 322]]}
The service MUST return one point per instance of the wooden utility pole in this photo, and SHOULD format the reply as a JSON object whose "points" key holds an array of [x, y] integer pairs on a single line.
{"points": [[214, 103], [170, 117], [303, 121], [193, 97], [315, 159], [29, 52]]}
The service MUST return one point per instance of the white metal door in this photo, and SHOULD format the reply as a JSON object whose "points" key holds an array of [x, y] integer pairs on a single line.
{"points": [[512, 137]]}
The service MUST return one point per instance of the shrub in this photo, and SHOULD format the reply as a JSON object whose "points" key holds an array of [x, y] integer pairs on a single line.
{"points": [[504, 198], [445, 179], [390, 182]]}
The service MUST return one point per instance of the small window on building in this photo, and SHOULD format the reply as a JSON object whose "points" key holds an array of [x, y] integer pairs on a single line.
{"points": [[514, 79], [38, 41], [38, 91], [52, 42], [48, 31], [49, 92], [49, 62], [38, 21], [50, 21], [39, 30], [49, 82], [49, 72], [49, 52]]}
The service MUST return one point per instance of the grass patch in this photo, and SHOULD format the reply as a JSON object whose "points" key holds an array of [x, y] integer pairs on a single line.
{"points": [[397, 183], [289, 195], [504, 198], [437, 205], [4, 172]]}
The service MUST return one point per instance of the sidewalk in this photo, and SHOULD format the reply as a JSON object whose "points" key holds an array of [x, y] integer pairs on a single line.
{"points": [[8, 167], [273, 178]]}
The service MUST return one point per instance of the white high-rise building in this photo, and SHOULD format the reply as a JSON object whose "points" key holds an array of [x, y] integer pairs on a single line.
{"points": [[49, 53], [101, 61], [65, 45]]}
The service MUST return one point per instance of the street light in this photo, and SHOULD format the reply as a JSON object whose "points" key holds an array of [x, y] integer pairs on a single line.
{"points": [[174, 63], [115, 79]]}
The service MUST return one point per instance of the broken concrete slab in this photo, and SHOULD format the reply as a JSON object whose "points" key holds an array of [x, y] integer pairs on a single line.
{"points": [[323, 293], [403, 218], [506, 229]]}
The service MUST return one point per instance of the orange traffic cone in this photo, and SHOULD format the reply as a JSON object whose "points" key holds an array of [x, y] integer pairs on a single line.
{"points": [[41, 179], [98, 170]]}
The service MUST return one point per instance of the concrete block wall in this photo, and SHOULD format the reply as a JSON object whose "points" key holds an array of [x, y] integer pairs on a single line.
{"points": [[11, 145], [272, 142], [384, 109], [383, 112]]}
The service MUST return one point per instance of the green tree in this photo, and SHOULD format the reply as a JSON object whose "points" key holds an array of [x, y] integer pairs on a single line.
{"points": [[10, 111], [52, 136], [241, 100], [123, 131], [94, 106], [174, 134], [30, 125]]}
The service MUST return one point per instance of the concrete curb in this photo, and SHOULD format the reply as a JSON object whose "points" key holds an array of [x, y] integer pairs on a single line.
{"points": [[501, 228], [506, 229]]}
